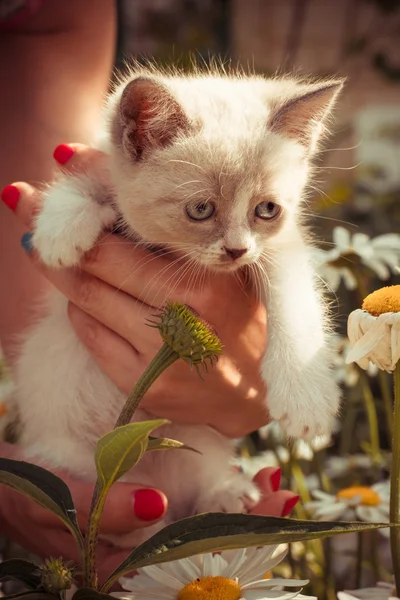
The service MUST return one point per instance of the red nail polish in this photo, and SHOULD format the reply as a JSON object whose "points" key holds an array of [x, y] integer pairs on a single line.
{"points": [[63, 153], [275, 480], [10, 196], [289, 505], [148, 505]]}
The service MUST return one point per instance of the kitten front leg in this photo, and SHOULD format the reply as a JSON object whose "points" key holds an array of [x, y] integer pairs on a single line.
{"points": [[297, 367], [70, 221]]}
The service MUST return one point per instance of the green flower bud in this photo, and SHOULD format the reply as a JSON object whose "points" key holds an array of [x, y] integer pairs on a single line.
{"points": [[56, 575], [187, 334]]}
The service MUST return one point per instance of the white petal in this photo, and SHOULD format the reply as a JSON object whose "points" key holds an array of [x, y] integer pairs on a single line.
{"points": [[361, 243], [184, 569], [341, 238], [379, 267], [276, 582], [259, 561], [159, 575], [395, 341], [320, 495], [367, 343], [349, 280], [345, 596], [233, 565], [265, 595], [366, 513], [389, 241]]}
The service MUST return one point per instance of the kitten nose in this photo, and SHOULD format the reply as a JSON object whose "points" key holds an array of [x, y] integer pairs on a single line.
{"points": [[235, 253]]}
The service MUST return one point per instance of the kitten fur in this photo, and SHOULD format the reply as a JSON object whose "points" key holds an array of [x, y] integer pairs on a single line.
{"points": [[172, 142]]}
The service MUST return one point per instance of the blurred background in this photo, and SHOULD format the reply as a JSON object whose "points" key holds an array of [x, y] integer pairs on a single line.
{"points": [[354, 206]]}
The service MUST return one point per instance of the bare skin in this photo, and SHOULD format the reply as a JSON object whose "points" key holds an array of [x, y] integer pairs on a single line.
{"points": [[41, 106]]}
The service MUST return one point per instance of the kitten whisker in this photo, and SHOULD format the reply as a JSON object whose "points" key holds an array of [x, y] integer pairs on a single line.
{"points": [[160, 273], [186, 162], [339, 149], [316, 216], [338, 168]]}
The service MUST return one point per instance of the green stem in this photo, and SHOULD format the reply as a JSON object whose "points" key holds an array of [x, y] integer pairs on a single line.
{"points": [[370, 409], [92, 534], [387, 401], [359, 565], [163, 359], [395, 482]]}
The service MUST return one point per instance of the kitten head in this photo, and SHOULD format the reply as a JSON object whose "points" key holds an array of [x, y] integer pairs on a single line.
{"points": [[214, 167]]}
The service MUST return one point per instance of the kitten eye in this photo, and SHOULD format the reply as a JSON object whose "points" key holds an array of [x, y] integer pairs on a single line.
{"points": [[267, 210], [200, 211]]}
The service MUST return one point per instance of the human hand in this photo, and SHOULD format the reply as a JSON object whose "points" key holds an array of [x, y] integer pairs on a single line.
{"points": [[274, 501], [128, 507], [41, 532], [119, 285]]}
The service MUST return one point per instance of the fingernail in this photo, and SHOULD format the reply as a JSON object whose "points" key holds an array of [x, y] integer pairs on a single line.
{"points": [[148, 505], [26, 242], [275, 480], [289, 505], [10, 196], [63, 153]]}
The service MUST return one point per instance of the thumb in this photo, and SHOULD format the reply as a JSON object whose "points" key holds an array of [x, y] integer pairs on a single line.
{"points": [[131, 506], [128, 506]]}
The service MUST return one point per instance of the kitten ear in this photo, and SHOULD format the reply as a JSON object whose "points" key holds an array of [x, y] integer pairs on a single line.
{"points": [[302, 118], [149, 117]]}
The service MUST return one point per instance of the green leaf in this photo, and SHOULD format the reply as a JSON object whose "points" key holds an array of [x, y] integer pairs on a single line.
{"points": [[20, 570], [121, 449], [87, 594], [44, 488], [167, 444], [213, 532]]}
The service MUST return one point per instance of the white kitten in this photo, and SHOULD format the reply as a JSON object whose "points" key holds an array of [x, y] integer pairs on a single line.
{"points": [[219, 163]]}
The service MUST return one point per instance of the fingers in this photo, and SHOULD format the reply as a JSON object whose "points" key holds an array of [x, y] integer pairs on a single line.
{"points": [[275, 502], [149, 277], [77, 158], [25, 200], [128, 507]]}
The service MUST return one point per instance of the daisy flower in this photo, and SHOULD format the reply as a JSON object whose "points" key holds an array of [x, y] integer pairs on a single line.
{"points": [[231, 575], [383, 591], [362, 503], [339, 466], [374, 330], [380, 254]]}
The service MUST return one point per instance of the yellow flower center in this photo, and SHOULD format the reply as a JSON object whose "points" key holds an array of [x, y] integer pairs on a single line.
{"points": [[385, 300], [211, 588], [368, 496]]}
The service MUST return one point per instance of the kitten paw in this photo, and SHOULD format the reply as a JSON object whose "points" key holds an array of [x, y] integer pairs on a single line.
{"points": [[58, 252], [307, 411], [69, 224], [238, 494]]}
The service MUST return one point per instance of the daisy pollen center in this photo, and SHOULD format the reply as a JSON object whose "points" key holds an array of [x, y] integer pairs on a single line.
{"points": [[368, 497], [211, 588], [384, 300]]}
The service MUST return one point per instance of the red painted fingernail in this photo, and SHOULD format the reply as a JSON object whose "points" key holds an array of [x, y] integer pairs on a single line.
{"points": [[275, 480], [289, 505], [63, 153], [148, 505], [10, 196]]}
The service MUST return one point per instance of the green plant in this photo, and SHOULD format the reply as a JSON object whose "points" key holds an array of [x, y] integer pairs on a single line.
{"points": [[185, 337]]}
